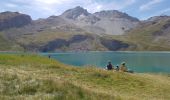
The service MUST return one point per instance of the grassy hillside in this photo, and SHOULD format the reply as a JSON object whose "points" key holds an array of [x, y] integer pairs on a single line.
{"points": [[33, 77]]}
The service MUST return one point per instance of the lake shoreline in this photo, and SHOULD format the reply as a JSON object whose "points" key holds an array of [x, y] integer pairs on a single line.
{"points": [[140, 62]]}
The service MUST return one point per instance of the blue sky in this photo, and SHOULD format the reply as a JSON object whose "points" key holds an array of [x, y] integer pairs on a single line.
{"points": [[141, 9]]}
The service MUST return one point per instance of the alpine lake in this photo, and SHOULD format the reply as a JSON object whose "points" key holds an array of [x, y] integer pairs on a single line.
{"points": [[142, 62]]}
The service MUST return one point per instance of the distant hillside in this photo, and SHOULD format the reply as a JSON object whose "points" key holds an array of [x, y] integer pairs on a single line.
{"points": [[110, 22], [152, 34], [7, 45], [13, 19], [63, 33], [78, 30]]}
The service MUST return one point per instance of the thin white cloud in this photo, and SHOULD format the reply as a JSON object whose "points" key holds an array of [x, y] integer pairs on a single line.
{"points": [[10, 5], [49, 2], [149, 5], [114, 5], [165, 11]]}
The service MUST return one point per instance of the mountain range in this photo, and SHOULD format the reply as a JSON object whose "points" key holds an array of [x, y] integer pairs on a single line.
{"points": [[78, 30]]}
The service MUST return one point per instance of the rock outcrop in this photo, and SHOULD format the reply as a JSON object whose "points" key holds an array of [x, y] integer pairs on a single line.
{"points": [[13, 19]]}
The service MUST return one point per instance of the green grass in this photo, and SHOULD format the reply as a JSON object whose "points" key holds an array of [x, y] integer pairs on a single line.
{"points": [[34, 77]]}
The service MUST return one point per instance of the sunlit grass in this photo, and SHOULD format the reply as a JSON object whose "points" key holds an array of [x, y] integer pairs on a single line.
{"points": [[34, 77]]}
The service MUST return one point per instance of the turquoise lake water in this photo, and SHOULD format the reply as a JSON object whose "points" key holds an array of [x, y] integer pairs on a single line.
{"points": [[136, 61]]}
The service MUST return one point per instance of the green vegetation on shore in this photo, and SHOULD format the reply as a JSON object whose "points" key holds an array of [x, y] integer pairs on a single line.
{"points": [[34, 77]]}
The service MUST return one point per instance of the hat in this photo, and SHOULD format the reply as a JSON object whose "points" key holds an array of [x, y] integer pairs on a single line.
{"points": [[123, 63], [109, 61]]}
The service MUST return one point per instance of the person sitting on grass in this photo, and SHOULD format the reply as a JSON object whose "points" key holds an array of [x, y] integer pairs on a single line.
{"points": [[123, 67], [110, 66], [117, 68]]}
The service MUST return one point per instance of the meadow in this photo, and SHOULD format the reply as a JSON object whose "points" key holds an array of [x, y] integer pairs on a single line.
{"points": [[33, 77]]}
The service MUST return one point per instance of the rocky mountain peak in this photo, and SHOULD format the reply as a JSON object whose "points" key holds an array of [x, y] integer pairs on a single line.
{"points": [[107, 13], [13, 19], [117, 22], [75, 13], [114, 14]]}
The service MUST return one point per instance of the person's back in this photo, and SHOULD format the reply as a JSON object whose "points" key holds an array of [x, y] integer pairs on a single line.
{"points": [[109, 66]]}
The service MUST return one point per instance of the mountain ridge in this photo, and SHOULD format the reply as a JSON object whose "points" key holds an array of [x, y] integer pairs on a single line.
{"points": [[91, 22], [13, 19], [57, 33]]}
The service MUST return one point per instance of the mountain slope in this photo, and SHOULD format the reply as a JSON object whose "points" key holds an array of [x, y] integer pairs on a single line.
{"points": [[58, 33], [4, 44], [78, 30], [152, 34], [7, 45], [13, 19], [10, 20], [117, 22]]}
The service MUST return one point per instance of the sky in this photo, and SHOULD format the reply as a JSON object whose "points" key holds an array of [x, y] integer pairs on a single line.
{"points": [[142, 9]]}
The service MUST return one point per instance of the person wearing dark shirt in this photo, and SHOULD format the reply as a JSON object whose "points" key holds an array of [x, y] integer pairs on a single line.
{"points": [[49, 56], [109, 66]]}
